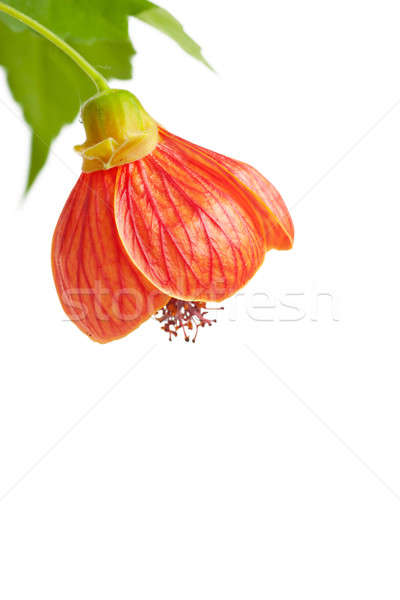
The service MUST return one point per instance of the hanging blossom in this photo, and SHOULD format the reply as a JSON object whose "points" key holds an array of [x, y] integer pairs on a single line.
{"points": [[157, 224]]}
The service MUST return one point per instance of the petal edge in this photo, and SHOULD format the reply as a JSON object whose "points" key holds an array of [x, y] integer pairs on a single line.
{"points": [[100, 289]]}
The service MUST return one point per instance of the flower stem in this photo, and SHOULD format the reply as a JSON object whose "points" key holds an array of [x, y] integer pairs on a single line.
{"points": [[98, 79]]}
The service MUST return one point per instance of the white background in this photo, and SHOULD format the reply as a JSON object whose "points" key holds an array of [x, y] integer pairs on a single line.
{"points": [[263, 461]]}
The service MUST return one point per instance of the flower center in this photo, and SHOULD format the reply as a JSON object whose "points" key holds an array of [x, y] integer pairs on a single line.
{"points": [[185, 315]]}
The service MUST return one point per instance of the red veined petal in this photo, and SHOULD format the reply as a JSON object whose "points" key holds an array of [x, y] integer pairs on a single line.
{"points": [[100, 289], [193, 228], [277, 221]]}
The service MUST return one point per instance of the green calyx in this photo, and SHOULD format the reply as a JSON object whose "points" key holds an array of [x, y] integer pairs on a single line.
{"points": [[118, 131]]}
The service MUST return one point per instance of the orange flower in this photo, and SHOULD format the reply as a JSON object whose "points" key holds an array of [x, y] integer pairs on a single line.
{"points": [[157, 221]]}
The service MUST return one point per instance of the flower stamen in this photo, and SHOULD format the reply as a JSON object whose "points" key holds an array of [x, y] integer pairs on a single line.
{"points": [[185, 315]]}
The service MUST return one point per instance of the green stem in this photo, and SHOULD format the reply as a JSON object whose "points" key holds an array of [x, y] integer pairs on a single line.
{"points": [[99, 81]]}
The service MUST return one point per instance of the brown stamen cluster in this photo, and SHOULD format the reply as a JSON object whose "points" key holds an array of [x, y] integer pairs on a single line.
{"points": [[185, 315]]}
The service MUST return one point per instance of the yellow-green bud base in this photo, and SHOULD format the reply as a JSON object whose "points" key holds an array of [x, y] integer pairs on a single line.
{"points": [[118, 131]]}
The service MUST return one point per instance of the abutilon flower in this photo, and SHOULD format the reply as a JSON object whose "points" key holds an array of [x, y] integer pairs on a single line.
{"points": [[156, 223]]}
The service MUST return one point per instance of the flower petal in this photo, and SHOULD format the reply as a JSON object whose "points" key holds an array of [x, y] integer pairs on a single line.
{"points": [[277, 221], [195, 229], [100, 289]]}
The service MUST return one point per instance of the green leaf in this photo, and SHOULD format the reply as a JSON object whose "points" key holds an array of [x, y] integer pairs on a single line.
{"points": [[49, 87], [162, 20], [84, 20]]}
